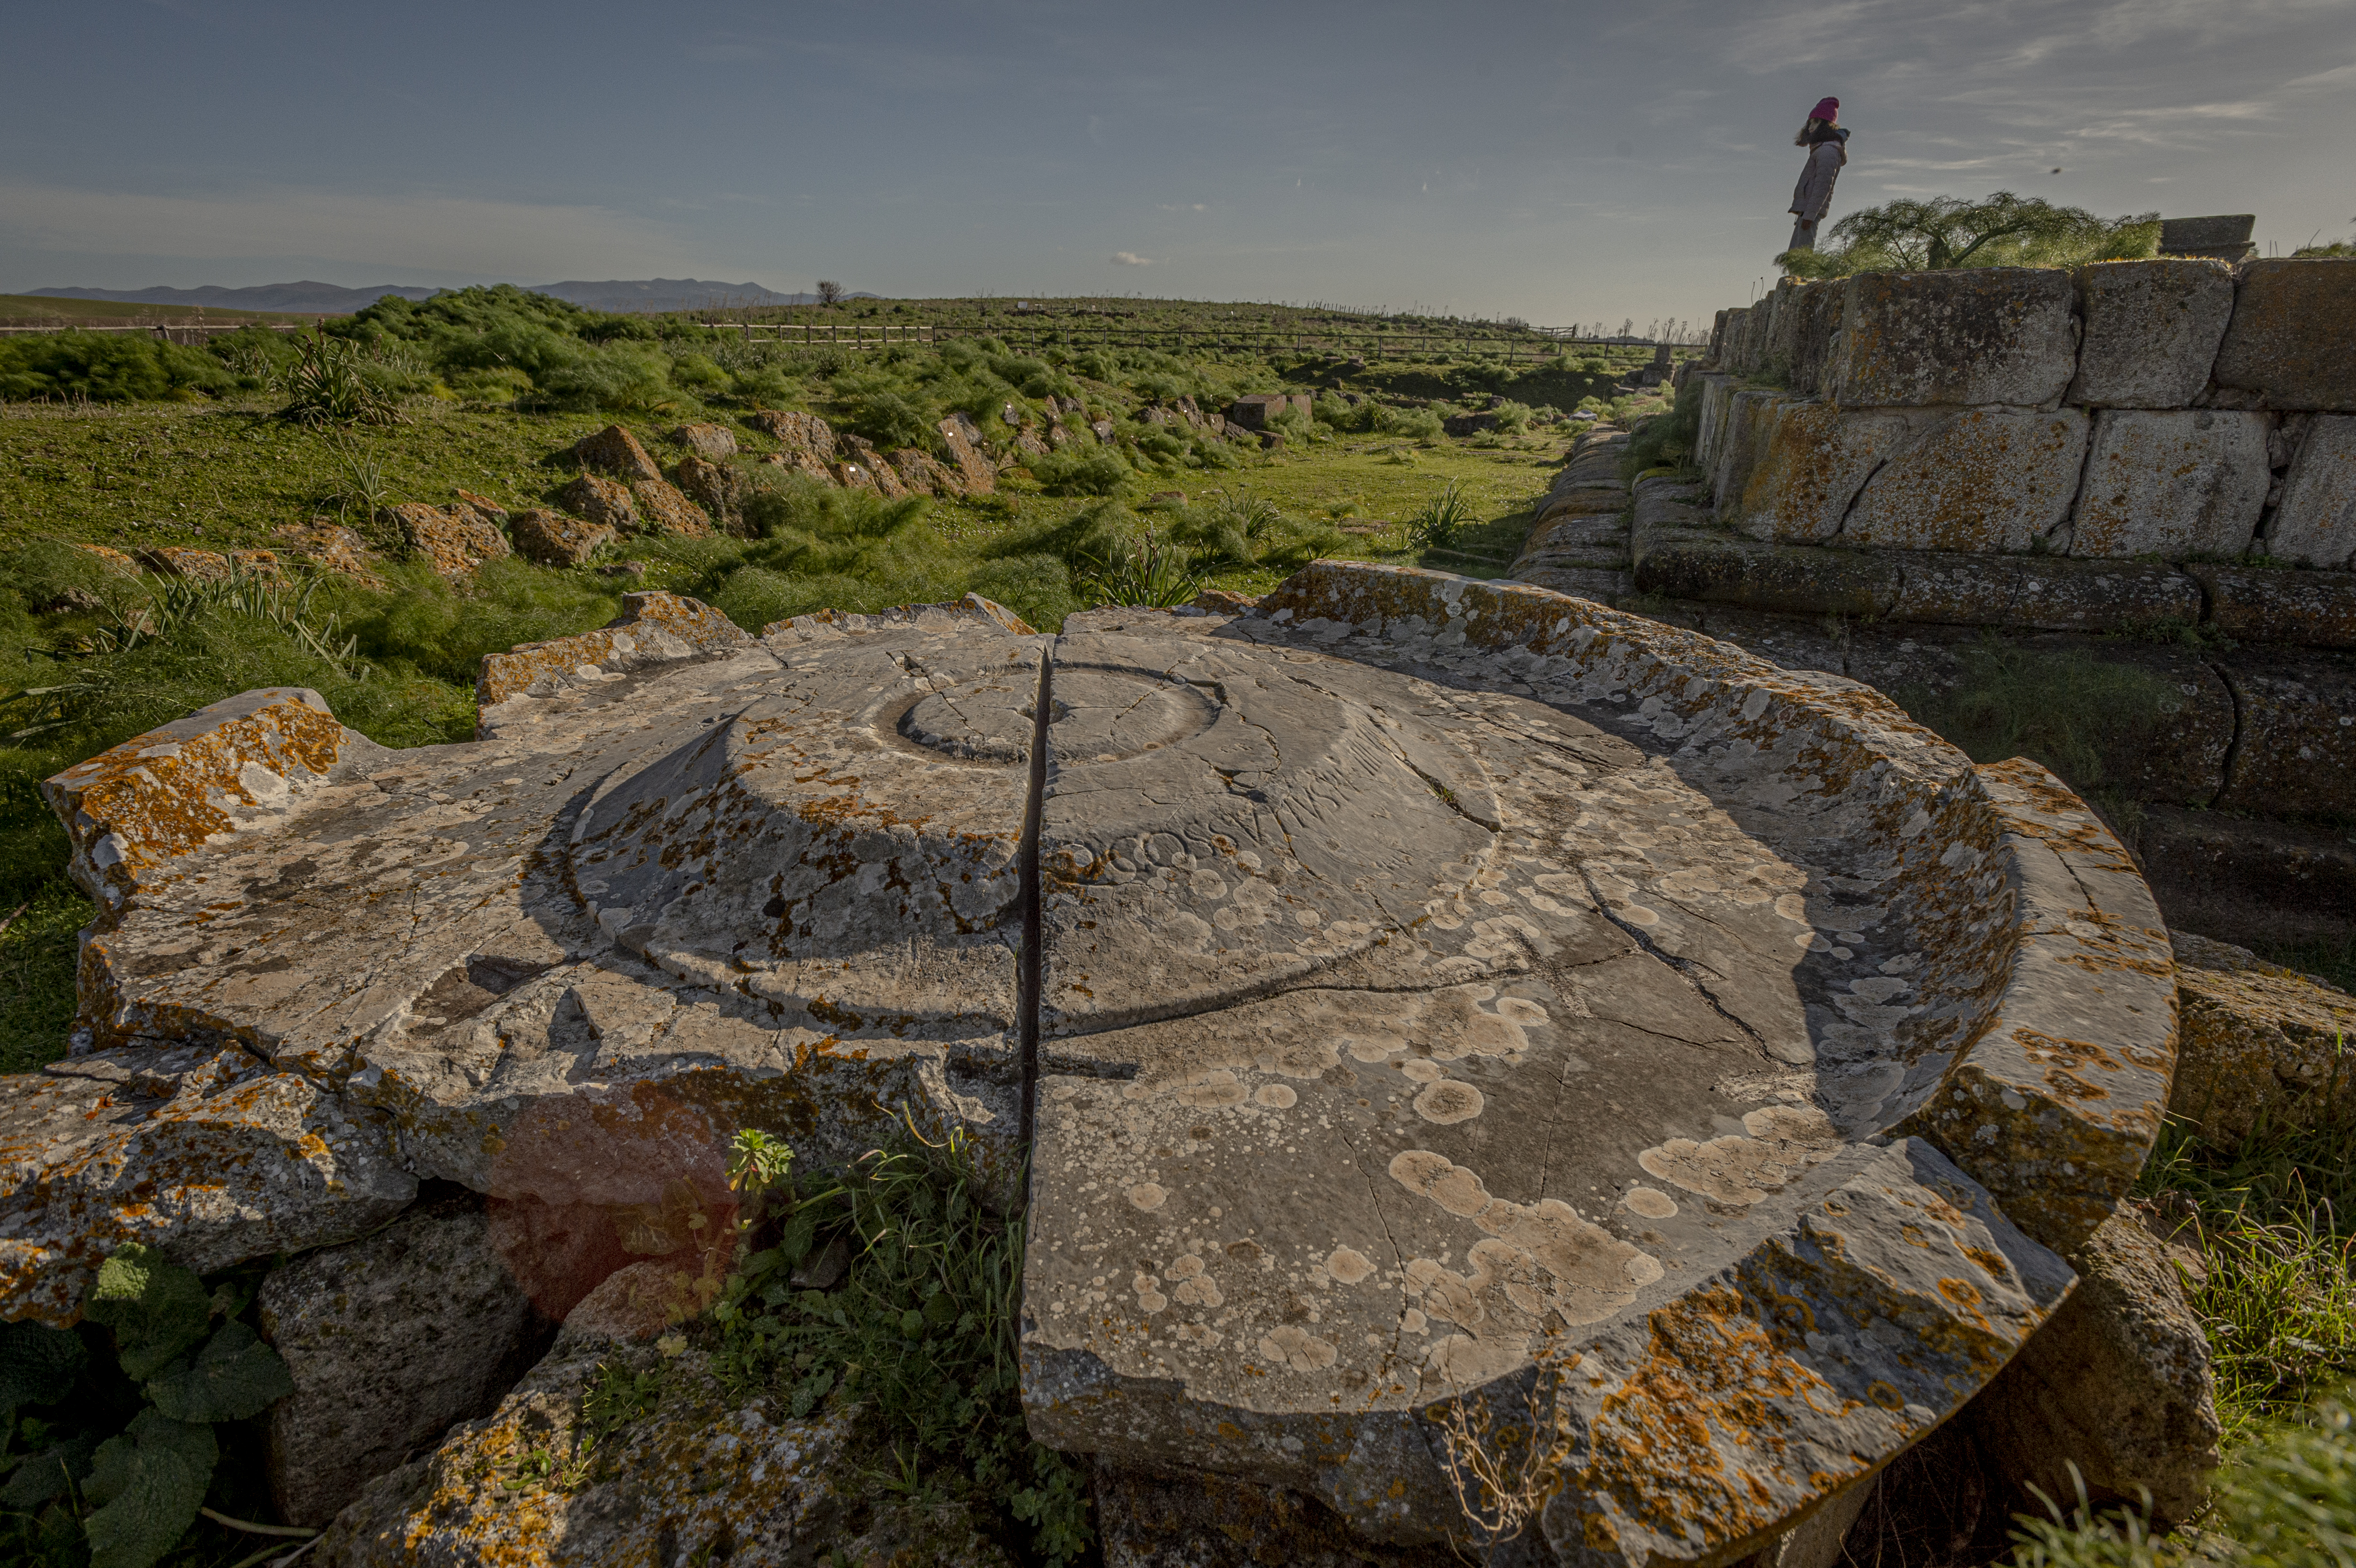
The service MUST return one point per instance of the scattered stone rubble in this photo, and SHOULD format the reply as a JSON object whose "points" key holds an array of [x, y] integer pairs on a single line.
{"points": [[2261, 1045], [1450, 990], [453, 539]]}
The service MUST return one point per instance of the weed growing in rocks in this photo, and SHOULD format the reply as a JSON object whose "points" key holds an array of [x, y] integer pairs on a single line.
{"points": [[919, 1332], [2286, 1500], [2279, 1252], [2065, 710], [1502, 1471], [109, 1454]]}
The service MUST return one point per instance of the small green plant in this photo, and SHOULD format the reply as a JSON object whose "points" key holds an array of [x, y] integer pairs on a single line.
{"points": [[1150, 573], [920, 1334], [1436, 524], [136, 1492], [361, 478], [618, 1397], [325, 384]]}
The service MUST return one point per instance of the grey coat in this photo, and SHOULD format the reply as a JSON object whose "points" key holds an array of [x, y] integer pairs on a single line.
{"points": [[1812, 196]]}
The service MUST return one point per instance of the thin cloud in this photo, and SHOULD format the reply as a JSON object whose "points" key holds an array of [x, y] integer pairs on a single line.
{"points": [[449, 234], [2336, 76], [1130, 258]]}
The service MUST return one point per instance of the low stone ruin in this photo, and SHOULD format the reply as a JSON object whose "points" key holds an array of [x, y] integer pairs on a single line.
{"points": [[2149, 463], [1444, 996]]}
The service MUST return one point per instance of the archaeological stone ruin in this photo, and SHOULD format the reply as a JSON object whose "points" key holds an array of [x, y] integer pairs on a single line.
{"points": [[1439, 993], [2146, 464], [1401, 1007]]}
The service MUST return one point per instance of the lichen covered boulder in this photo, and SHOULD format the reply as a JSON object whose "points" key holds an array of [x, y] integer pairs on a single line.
{"points": [[2261, 1044], [454, 540], [330, 547], [712, 442], [605, 502], [660, 509], [551, 538], [614, 451]]}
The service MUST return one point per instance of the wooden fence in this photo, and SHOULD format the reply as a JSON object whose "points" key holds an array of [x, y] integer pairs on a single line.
{"points": [[862, 337], [171, 331]]}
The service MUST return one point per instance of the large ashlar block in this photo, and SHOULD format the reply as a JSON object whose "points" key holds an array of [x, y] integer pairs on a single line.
{"points": [[1806, 321], [2292, 339], [1981, 335], [2152, 331], [1809, 461], [1985, 479], [1717, 396], [1738, 439], [2315, 523], [2183, 482]]}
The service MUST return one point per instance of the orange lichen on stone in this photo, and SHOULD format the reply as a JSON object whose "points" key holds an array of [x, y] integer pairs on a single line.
{"points": [[208, 1154], [205, 565], [2056, 1124], [112, 557], [2261, 1043], [697, 627], [164, 793]]}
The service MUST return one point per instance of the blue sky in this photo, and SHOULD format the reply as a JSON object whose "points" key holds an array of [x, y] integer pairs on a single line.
{"points": [[1565, 162]]}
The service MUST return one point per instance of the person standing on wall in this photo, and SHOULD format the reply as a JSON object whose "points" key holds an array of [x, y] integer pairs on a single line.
{"points": [[1827, 145]]}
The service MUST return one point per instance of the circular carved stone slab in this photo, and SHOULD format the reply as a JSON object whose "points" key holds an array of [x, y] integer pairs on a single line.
{"points": [[1450, 992]]}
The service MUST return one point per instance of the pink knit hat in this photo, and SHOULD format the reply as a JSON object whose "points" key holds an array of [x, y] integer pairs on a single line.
{"points": [[1825, 109]]}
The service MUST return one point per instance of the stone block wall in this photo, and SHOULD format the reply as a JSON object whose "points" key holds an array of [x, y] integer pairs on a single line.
{"points": [[2168, 410]]}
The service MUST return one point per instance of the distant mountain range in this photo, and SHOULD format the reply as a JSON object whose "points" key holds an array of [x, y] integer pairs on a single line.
{"points": [[619, 295]]}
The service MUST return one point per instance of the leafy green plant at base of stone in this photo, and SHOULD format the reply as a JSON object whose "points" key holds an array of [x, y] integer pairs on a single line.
{"points": [[919, 1335], [130, 1491]]}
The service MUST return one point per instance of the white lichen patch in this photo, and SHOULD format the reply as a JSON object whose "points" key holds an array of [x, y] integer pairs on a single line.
{"points": [[1448, 1102], [1782, 1141], [1650, 1202], [1542, 1256], [1292, 1348]]}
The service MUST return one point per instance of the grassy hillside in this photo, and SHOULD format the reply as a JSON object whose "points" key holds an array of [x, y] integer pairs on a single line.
{"points": [[41, 310]]}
